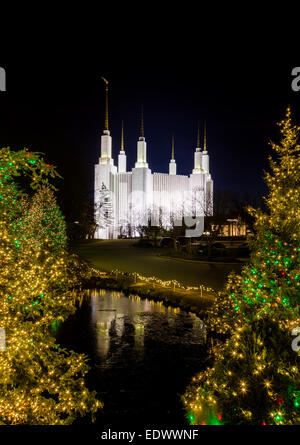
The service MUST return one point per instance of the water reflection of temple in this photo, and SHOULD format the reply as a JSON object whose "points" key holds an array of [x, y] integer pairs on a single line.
{"points": [[114, 316], [111, 310]]}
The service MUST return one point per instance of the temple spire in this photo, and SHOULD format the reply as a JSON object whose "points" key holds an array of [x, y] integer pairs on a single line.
{"points": [[173, 147], [142, 123], [122, 137], [142, 146], [106, 104], [172, 163], [122, 160], [106, 137], [205, 157], [198, 136]]}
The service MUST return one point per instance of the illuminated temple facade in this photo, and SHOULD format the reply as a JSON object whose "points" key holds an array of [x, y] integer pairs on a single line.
{"points": [[127, 200]]}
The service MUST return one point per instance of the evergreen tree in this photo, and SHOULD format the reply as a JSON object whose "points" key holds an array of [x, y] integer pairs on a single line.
{"points": [[255, 378], [269, 286], [40, 383], [44, 221]]}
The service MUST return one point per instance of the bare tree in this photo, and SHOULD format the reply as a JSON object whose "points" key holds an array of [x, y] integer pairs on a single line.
{"points": [[104, 208], [212, 224], [154, 229]]}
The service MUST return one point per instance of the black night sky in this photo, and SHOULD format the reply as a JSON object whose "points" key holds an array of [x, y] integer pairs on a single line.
{"points": [[54, 103]]}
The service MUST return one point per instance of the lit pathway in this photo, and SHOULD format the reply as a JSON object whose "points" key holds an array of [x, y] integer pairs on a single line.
{"points": [[121, 254]]}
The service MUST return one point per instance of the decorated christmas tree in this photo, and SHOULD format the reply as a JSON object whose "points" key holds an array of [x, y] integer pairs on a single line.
{"points": [[40, 383], [270, 284], [44, 221], [255, 378]]}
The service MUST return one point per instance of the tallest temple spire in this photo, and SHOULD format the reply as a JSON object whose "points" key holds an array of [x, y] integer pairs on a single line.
{"points": [[106, 138]]}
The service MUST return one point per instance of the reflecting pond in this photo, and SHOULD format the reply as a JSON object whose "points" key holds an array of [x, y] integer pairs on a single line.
{"points": [[142, 355]]}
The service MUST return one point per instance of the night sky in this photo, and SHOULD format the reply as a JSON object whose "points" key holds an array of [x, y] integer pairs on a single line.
{"points": [[55, 99]]}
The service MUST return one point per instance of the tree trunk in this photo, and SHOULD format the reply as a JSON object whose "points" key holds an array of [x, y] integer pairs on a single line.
{"points": [[209, 249], [190, 246], [175, 245]]}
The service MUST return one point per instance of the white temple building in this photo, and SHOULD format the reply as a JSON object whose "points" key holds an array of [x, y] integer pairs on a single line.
{"points": [[126, 200]]}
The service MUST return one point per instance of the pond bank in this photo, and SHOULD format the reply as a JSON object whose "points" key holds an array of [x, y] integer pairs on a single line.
{"points": [[235, 261], [171, 293], [108, 255]]}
